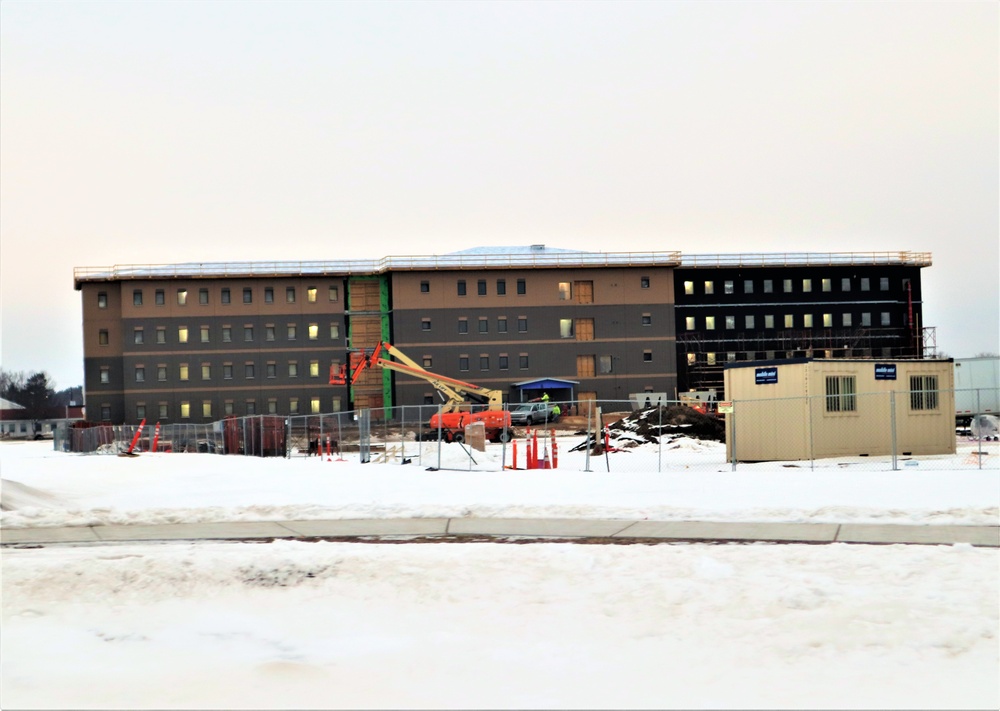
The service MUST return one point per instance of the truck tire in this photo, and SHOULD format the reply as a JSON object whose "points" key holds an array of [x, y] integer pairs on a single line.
{"points": [[505, 436], [458, 437]]}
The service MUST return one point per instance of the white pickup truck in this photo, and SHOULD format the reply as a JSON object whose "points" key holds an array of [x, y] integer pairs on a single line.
{"points": [[532, 413]]}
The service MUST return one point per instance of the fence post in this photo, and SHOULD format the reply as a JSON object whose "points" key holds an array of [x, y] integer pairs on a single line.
{"points": [[892, 423], [659, 439], [979, 428], [439, 436], [812, 449], [733, 433]]}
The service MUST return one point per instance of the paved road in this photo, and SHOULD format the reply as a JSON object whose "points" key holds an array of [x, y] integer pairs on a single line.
{"points": [[614, 530]]}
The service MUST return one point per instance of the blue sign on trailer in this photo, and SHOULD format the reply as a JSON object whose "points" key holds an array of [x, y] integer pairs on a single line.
{"points": [[885, 371], [765, 376]]}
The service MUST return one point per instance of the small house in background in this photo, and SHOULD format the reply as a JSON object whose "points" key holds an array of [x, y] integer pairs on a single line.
{"points": [[806, 408]]}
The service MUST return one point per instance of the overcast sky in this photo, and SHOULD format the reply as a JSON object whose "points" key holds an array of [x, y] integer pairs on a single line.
{"points": [[151, 132]]}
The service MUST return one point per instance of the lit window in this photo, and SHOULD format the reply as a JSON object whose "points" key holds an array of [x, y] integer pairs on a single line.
{"points": [[565, 328], [182, 334], [206, 371], [204, 334], [846, 319], [565, 291], [334, 330], [749, 321], [183, 371], [787, 285], [311, 294], [730, 322], [689, 288], [334, 293], [293, 369], [709, 287], [807, 285], [206, 408], [845, 284], [692, 358], [272, 406], [769, 321], [293, 405], [313, 331], [293, 331], [710, 323], [827, 320], [185, 410], [689, 323], [727, 287], [314, 405], [748, 286], [182, 297], [807, 320], [789, 321], [314, 369], [710, 358], [768, 286], [827, 284]]}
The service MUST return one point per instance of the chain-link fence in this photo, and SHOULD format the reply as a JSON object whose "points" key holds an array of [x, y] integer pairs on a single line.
{"points": [[842, 430]]}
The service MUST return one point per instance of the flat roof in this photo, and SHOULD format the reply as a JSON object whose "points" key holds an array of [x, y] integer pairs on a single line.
{"points": [[519, 257], [799, 361]]}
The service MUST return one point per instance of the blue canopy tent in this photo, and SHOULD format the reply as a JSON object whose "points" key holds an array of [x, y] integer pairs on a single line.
{"points": [[559, 390]]}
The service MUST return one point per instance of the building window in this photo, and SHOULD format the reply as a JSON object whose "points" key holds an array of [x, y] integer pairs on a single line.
{"points": [[727, 287], [427, 361], [503, 362], [247, 295], [787, 286], [748, 286], [644, 282], [689, 323], [866, 319], [183, 372], [140, 411], [137, 297], [647, 356], [425, 324], [102, 337], [481, 287], [105, 375], [730, 322], [334, 331], [484, 362], [206, 371], [827, 320], [268, 295], [846, 319], [334, 293], [501, 287], [463, 363], [789, 321], [522, 361], [204, 334], [162, 410], [692, 358], [461, 287], [501, 324], [807, 285], [425, 287], [251, 406], [293, 332], [248, 371], [314, 332], [290, 294], [182, 334], [206, 408], [185, 410], [140, 374], [463, 325], [272, 406], [161, 373], [311, 294], [522, 287], [689, 288], [840, 393], [227, 334], [202, 296], [827, 284], [293, 369], [314, 405], [710, 323], [314, 369], [248, 333], [102, 300], [182, 297], [748, 321], [769, 321], [807, 320], [565, 328], [293, 405], [161, 334], [866, 284], [923, 392], [885, 319], [605, 364], [883, 284], [768, 286], [522, 324], [709, 287], [270, 370], [565, 291], [484, 325], [710, 358], [226, 296], [845, 284], [137, 335], [647, 319], [227, 371]]}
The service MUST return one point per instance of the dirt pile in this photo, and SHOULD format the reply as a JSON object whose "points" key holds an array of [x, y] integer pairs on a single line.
{"points": [[650, 425]]}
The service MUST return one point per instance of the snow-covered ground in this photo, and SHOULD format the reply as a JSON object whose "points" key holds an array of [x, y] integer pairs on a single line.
{"points": [[481, 625]]}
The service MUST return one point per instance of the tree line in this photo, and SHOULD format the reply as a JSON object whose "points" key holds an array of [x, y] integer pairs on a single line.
{"points": [[35, 392]]}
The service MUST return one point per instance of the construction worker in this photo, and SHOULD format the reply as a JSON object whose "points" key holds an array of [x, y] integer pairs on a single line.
{"points": [[556, 411], [545, 397]]}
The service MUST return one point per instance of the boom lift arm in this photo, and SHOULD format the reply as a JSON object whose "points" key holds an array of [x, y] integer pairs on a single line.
{"points": [[452, 391]]}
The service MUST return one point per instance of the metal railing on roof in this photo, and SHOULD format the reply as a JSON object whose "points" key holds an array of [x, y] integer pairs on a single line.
{"points": [[198, 270], [805, 259]]}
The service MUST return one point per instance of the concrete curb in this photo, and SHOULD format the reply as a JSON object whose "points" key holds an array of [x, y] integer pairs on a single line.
{"points": [[611, 529]]}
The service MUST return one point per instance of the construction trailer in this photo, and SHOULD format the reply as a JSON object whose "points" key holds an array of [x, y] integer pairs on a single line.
{"points": [[977, 388], [798, 409]]}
